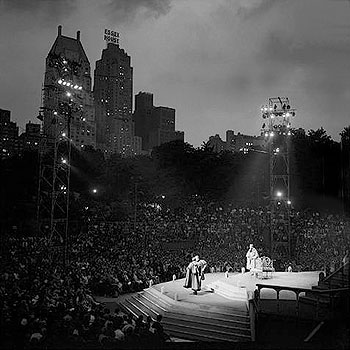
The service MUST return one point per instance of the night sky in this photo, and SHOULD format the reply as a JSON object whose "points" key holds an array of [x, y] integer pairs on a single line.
{"points": [[215, 61]]}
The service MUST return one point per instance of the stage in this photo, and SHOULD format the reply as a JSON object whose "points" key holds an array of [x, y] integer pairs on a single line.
{"points": [[220, 311], [245, 282]]}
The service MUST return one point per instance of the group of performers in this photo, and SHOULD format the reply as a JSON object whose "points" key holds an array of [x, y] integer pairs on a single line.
{"points": [[195, 269], [195, 274]]}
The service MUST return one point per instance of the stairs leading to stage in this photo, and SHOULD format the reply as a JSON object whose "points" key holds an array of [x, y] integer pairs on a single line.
{"points": [[323, 302], [229, 291], [192, 321]]}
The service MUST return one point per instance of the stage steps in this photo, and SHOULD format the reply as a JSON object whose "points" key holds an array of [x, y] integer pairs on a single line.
{"points": [[191, 321], [229, 291]]}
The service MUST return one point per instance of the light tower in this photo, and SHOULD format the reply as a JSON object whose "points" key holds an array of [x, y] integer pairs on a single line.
{"points": [[60, 107], [68, 118], [276, 128]]}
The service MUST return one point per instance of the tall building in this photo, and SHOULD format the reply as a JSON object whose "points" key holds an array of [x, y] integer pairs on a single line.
{"points": [[9, 144], [67, 92], [155, 125], [113, 91], [30, 139], [143, 117]]}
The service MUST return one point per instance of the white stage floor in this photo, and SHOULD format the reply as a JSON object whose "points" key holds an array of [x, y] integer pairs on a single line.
{"points": [[206, 298], [290, 279]]}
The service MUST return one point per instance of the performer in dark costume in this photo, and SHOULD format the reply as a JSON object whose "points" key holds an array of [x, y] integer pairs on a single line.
{"points": [[195, 274]]}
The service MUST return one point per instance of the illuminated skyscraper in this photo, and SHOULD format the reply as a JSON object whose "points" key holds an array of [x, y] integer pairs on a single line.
{"points": [[67, 92], [113, 93], [8, 135]]}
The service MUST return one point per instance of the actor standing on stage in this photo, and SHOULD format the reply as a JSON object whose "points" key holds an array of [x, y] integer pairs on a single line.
{"points": [[195, 274], [251, 255]]}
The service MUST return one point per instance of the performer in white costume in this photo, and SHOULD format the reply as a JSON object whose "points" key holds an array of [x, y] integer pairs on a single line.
{"points": [[251, 255]]}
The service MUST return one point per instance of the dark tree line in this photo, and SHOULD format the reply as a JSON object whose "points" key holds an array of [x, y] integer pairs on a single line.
{"points": [[319, 166]]}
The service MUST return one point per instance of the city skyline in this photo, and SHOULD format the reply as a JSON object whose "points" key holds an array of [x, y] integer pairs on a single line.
{"points": [[215, 62]]}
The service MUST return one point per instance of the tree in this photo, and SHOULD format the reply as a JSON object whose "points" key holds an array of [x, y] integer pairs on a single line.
{"points": [[345, 168]]}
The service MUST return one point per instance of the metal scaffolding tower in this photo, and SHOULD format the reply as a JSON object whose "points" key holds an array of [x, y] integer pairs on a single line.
{"points": [[55, 155], [276, 128]]}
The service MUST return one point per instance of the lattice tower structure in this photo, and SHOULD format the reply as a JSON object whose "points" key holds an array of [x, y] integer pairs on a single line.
{"points": [[277, 117], [61, 109]]}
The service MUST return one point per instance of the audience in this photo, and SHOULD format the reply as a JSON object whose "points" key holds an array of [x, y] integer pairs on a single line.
{"points": [[46, 303]]}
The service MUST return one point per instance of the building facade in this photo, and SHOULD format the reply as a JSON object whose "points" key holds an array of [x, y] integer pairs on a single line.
{"points": [[236, 142], [67, 99], [143, 117], [239, 142], [9, 143], [30, 139], [155, 125], [113, 91]]}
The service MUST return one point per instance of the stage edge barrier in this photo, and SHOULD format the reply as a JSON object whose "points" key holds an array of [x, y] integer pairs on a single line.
{"points": [[332, 293]]}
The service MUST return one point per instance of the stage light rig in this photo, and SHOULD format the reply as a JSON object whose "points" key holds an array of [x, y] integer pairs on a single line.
{"points": [[277, 116]]}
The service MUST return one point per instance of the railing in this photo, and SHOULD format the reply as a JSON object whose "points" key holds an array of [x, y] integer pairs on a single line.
{"points": [[331, 293], [344, 274], [253, 312]]}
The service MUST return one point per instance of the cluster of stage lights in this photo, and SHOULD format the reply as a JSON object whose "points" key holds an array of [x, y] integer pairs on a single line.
{"points": [[275, 112], [63, 188], [279, 195], [272, 134], [69, 84], [275, 108]]}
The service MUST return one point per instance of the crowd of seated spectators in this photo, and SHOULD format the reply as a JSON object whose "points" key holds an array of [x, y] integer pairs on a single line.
{"points": [[45, 302]]}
